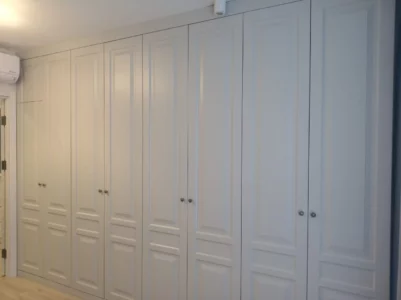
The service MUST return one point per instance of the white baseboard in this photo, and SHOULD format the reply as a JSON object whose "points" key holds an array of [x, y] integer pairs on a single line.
{"points": [[57, 286]]}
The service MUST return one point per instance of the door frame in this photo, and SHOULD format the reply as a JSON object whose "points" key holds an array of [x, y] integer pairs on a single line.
{"points": [[10, 95], [3, 147]]}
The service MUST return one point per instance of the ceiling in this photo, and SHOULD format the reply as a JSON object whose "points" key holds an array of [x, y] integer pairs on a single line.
{"points": [[27, 24]]}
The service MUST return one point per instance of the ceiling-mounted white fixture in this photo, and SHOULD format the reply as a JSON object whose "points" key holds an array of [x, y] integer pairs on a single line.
{"points": [[219, 7], [9, 68]]}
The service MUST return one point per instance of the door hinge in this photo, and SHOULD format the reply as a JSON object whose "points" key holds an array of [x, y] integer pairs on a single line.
{"points": [[4, 165], [3, 120], [4, 253]]}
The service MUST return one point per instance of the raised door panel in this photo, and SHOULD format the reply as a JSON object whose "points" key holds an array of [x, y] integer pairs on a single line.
{"points": [[165, 70], [214, 214], [275, 153], [57, 210], [31, 168], [30, 246], [33, 84], [350, 149], [123, 66], [88, 170]]}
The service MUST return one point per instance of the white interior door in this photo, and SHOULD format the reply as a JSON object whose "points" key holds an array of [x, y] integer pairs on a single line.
{"points": [[57, 182], [275, 153], [88, 170], [165, 70], [214, 187], [3, 236], [350, 149], [31, 170], [123, 66]]}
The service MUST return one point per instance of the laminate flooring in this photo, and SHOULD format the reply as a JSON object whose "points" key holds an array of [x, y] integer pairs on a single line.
{"points": [[23, 289]]}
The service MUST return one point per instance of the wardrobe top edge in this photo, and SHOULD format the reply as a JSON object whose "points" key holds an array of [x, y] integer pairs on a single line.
{"points": [[234, 7]]}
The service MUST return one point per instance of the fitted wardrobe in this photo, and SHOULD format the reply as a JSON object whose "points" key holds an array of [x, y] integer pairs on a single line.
{"points": [[245, 157]]}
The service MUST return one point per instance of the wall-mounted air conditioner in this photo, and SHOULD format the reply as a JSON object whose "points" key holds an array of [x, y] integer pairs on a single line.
{"points": [[9, 68]]}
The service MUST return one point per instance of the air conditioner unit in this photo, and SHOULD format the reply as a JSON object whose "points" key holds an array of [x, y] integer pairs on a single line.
{"points": [[9, 68]]}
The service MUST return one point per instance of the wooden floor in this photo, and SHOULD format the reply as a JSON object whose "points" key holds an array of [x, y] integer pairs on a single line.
{"points": [[22, 289]]}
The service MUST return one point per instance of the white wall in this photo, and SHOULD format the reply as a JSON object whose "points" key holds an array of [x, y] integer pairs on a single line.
{"points": [[11, 188], [195, 16]]}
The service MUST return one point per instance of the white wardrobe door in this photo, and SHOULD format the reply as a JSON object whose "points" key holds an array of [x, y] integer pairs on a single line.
{"points": [[165, 70], [214, 215], [350, 149], [31, 168], [123, 66], [57, 190], [33, 80], [275, 153], [88, 169]]}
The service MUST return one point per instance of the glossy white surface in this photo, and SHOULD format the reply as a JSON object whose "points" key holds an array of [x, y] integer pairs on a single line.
{"points": [[45, 168], [31, 197], [57, 147], [165, 72], [214, 159], [123, 73], [181, 119], [350, 149], [275, 153], [88, 169]]}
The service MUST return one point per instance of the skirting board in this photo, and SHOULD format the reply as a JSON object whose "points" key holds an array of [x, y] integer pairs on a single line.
{"points": [[59, 287]]}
